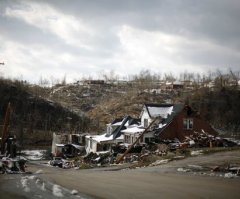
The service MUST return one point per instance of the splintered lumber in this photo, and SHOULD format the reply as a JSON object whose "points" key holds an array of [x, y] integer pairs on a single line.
{"points": [[141, 135]]}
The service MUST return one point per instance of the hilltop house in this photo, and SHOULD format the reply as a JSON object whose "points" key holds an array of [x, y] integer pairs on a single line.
{"points": [[113, 135], [176, 122]]}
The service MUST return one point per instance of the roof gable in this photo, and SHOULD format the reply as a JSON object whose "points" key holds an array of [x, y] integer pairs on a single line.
{"points": [[117, 120], [166, 111], [163, 110], [177, 108], [128, 119]]}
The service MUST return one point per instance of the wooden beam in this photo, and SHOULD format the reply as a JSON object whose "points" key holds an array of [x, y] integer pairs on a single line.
{"points": [[131, 146]]}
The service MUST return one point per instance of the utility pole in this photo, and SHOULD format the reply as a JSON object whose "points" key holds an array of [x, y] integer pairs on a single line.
{"points": [[131, 146], [5, 127]]}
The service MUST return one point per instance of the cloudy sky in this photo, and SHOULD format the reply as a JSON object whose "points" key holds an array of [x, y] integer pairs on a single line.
{"points": [[81, 38]]}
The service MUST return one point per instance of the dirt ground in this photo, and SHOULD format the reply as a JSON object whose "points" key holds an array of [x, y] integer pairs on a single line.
{"points": [[162, 181]]}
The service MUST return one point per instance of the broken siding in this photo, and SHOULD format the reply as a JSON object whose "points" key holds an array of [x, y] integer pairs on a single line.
{"points": [[91, 145], [131, 134], [148, 136], [145, 116]]}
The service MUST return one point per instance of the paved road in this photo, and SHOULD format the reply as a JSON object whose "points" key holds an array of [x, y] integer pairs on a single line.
{"points": [[162, 181], [152, 182]]}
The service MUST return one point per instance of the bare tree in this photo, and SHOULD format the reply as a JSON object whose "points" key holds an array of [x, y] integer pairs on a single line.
{"points": [[64, 80], [43, 82]]}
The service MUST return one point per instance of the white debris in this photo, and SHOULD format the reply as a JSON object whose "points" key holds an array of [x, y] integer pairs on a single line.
{"points": [[43, 188], [192, 166], [195, 153], [230, 175], [74, 192], [24, 182], [40, 185], [33, 154], [31, 177], [39, 171], [183, 170], [179, 157], [57, 191], [191, 143], [159, 162], [97, 159]]}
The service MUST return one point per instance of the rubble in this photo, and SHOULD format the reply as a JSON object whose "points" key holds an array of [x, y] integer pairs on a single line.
{"points": [[217, 171], [67, 164], [159, 162], [196, 153], [203, 139], [183, 170], [56, 161], [12, 165], [235, 169], [230, 175], [74, 192], [179, 157], [33, 154], [195, 167]]}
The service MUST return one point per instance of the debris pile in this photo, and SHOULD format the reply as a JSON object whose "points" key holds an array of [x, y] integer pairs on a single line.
{"points": [[203, 139], [159, 162], [102, 158], [229, 171], [12, 165], [33, 154], [9, 162]]}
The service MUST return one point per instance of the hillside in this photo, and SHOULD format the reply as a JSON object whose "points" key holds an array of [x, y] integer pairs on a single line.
{"points": [[32, 114], [88, 105], [106, 101], [220, 107]]}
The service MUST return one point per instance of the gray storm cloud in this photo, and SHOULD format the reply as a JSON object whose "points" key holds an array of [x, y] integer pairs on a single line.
{"points": [[85, 38]]}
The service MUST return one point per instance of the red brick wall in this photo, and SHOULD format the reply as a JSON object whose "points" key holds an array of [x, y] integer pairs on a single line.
{"points": [[175, 128]]}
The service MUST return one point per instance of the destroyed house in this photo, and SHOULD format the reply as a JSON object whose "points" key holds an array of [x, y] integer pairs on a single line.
{"points": [[68, 145], [177, 121], [148, 114], [112, 136]]}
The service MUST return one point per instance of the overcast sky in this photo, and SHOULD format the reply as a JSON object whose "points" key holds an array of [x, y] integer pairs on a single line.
{"points": [[90, 37]]}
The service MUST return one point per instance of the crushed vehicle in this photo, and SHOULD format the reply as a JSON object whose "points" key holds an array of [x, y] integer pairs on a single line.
{"points": [[56, 161]]}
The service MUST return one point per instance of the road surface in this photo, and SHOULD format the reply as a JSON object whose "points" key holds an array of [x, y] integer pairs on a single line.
{"points": [[162, 181]]}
